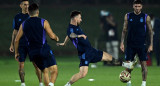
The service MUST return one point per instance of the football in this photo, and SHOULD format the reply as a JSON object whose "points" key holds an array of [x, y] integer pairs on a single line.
{"points": [[125, 76]]}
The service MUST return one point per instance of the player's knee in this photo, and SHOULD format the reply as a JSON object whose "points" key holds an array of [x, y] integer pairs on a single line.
{"points": [[82, 75], [144, 69], [45, 71], [21, 71]]}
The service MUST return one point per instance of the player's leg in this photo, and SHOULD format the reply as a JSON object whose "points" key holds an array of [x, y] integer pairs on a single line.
{"points": [[106, 57], [142, 54], [144, 72], [21, 72], [129, 57], [38, 73], [82, 73], [53, 74], [46, 76], [21, 58]]}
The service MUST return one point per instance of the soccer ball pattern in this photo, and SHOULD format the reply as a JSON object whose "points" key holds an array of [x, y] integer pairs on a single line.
{"points": [[125, 76]]}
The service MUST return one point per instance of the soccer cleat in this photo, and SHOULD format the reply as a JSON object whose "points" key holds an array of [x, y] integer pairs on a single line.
{"points": [[50, 84], [129, 84], [130, 65], [41, 84], [68, 84], [23, 84], [143, 85]]}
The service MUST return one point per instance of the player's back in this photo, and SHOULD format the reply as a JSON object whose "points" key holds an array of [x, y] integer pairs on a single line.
{"points": [[33, 29], [136, 29]]}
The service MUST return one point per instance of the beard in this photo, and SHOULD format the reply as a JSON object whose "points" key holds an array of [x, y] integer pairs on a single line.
{"points": [[137, 11], [78, 23]]}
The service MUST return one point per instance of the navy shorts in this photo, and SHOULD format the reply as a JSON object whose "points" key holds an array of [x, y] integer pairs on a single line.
{"points": [[131, 52], [43, 57], [90, 56], [23, 51]]}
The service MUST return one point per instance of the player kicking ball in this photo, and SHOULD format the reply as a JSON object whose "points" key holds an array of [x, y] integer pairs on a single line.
{"points": [[86, 52], [136, 24]]}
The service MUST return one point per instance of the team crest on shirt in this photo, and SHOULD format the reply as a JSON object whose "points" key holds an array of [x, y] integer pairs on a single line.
{"points": [[131, 20], [71, 30], [20, 20], [141, 19]]}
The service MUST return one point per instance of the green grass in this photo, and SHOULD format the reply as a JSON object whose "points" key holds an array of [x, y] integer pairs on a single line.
{"points": [[67, 66]]}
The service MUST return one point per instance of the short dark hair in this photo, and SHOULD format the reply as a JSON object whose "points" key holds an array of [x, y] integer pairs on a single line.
{"points": [[137, 2], [74, 13], [23, 1], [33, 8]]}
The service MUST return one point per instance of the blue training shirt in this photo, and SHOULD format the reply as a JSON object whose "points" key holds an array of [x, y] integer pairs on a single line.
{"points": [[81, 44], [17, 21], [35, 33], [137, 29]]}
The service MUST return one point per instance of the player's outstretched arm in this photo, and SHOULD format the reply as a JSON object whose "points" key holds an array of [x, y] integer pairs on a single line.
{"points": [[11, 48], [73, 35], [148, 21], [64, 43], [49, 31], [19, 35], [124, 31]]}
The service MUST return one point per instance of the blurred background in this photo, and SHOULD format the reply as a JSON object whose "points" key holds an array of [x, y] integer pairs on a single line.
{"points": [[57, 12]]}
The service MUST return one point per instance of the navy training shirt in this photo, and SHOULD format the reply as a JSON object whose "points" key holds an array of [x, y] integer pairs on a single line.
{"points": [[137, 29], [17, 21], [35, 33], [81, 44]]}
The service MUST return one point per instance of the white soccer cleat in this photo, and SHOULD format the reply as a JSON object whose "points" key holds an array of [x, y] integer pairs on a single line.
{"points": [[128, 65], [143, 85], [41, 84], [23, 84], [68, 84], [50, 84]]}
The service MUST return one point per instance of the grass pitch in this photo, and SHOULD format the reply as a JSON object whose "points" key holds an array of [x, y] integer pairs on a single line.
{"points": [[67, 66]]}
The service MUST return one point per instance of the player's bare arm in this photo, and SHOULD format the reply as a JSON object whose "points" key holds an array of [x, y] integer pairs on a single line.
{"points": [[49, 31], [12, 42], [73, 35], [124, 31], [64, 43], [148, 20], [19, 35]]}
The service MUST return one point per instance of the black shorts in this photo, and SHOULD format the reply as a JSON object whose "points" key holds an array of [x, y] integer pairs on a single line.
{"points": [[23, 51], [90, 56], [131, 52], [43, 57]]}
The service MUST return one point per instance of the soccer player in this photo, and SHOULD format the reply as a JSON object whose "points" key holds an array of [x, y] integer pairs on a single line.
{"points": [[35, 29], [86, 53], [137, 24], [23, 48]]}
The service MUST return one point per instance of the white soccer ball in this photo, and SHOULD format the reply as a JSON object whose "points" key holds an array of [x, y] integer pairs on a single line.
{"points": [[125, 76]]}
